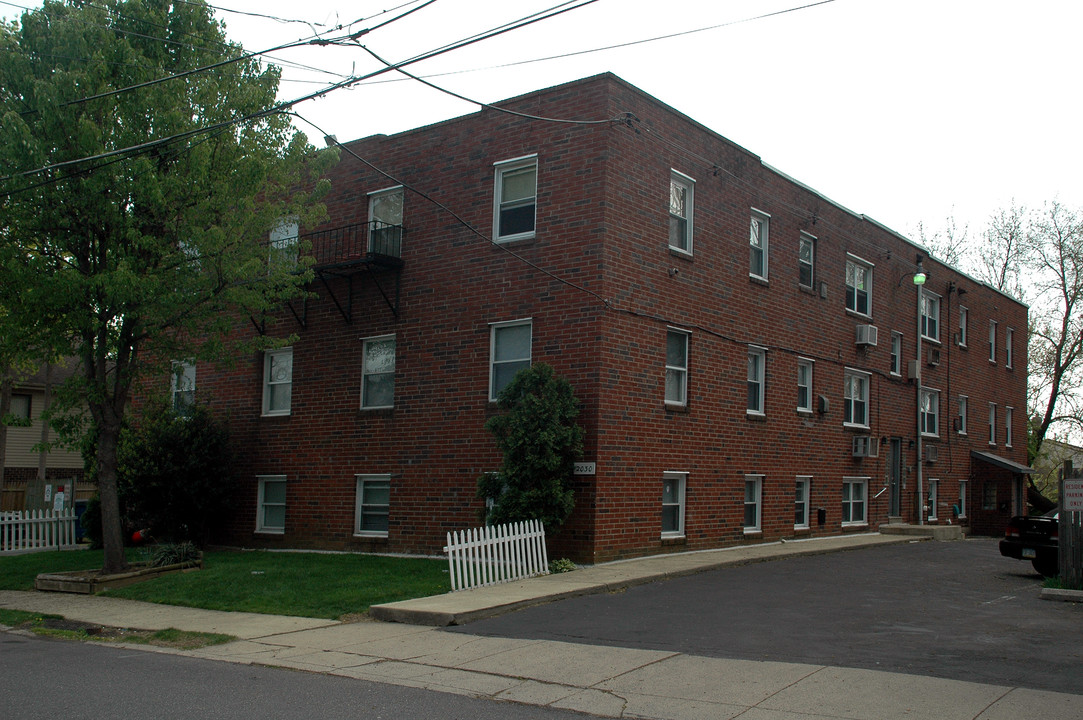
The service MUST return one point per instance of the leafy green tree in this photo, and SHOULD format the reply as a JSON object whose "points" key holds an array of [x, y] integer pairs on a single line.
{"points": [[134, 218], [541, 441]]}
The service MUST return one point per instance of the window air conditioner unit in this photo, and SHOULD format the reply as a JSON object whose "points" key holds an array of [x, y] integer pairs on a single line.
{"points": [[866, 335], [865, 446], [930, 453], [934, 357]]}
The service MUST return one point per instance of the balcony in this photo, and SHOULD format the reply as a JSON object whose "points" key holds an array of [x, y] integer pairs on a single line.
{"points": [[341, 250]]}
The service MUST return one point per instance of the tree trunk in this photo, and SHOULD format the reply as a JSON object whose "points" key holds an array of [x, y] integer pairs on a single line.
{"points": [[5, 408], [112, 536]]}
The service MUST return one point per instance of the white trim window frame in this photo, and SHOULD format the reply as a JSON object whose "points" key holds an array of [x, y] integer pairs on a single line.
{"points": [[283, 242], [757, 380], [930, 412], [854, 501], [385, 221], [682, 207], [183, 386], [372, 508], [963, 312], [856, 398], [963, 402], [515, 198], [510, 345], [993, 342], [378, 372], [930, 315], [759, 244], [963, 487], [1009, 338], [859, 286], [802, 497], [934, 494], [805, 368], [674, 485], [753, 505], [271, 504], [677, 347], [806, 260], [1008, 425], [896, 353], [277, 382], [992, 423]]}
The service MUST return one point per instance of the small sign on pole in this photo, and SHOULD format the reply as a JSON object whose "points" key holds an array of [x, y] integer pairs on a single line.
{"points": [[1072, 499]]}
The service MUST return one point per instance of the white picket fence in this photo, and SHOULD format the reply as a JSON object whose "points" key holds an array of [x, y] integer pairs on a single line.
{"points": [[33, 530], [496, 554]]}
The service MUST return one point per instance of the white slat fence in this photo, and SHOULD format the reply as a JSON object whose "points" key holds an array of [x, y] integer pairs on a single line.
{"points": [[32, 530], [496, 554]]}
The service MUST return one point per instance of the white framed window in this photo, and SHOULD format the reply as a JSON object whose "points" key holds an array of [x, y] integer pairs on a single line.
{"points": [[271, 504], [385, 221], [961, 508], [930, 315], [993, 341], [509, 352], [758, 244], [855, 406], [757, 373], [277, 381], [283, 243], [515, 199], [681, 211], [992, 423], [1009, 338], [183, 386], [806, 260], [373, 503], [673, 492], [20, 406], [859, 286], [801, 502], [804, 384], [930, 412], [1007, 426], [676, 367], [961, 418], [896, 353], [753, 497], [934, 487], [962, 326], [378, 372], [854, 492]]}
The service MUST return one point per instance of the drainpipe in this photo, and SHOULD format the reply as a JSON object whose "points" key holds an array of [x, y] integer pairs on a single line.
{"points": [[919, 283]]}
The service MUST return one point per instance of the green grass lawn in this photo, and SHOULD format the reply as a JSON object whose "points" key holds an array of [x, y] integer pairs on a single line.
{"points": [[307, 584]]}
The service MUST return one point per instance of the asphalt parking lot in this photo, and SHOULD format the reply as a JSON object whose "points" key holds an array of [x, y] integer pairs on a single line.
{"points": [[955, 610]]}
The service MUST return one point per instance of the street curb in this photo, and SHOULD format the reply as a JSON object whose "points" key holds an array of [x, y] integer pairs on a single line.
{"points": [[1062, 595]]}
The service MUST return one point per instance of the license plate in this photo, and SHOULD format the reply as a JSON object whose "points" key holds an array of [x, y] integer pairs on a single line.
{"points": [[1029, 554]]}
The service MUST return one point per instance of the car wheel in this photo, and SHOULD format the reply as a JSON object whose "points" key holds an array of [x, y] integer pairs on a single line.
{"points": [[1045, 568]]}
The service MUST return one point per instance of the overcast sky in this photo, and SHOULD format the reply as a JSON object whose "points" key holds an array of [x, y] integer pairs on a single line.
{"points": [[906, 110]]}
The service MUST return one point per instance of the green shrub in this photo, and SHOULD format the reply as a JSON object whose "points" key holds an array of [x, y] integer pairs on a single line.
{"points": [[562, 565], [541, 441], [174, 554]]}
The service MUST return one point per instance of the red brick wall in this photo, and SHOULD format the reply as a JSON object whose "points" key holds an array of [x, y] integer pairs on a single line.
{"points": [[602, 224]]}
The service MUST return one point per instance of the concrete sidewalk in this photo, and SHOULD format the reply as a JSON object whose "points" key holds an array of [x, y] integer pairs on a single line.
{"points": [[604, 681]]}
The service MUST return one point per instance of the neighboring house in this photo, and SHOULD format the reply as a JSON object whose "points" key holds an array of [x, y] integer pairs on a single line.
{"points": [[26, 468], [743, 347], [1049, 463]]}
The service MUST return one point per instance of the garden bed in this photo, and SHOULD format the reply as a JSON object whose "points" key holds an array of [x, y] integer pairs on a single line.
{"points": [[88, 582]]}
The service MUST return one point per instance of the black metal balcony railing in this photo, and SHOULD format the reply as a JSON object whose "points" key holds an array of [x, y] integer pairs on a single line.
{"points": [[374, 242]]}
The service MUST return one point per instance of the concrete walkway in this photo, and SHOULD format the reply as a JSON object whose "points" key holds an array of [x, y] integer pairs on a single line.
{"points": [[604, 681]]}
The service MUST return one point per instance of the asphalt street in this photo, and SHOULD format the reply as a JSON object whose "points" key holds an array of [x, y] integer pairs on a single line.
{"points": [[44, 678], [954, 610]]}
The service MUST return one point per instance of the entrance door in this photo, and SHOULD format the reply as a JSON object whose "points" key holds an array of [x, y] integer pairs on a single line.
{"points": [[895, 470]]}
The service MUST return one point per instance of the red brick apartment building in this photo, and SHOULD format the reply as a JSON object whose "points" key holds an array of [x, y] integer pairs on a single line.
{"points": [[744, 348]]}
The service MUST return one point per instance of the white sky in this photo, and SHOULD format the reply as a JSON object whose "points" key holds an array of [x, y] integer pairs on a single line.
{"points": [[905, 110]]}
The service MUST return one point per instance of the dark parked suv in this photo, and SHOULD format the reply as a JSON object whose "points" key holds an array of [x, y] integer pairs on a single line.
{"points": [[1034, 538]]}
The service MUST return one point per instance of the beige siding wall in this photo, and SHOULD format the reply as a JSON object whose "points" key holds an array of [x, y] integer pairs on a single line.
{"points": [[22, 439]]}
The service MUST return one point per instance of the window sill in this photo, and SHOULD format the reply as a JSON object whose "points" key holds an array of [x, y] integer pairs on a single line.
{"points": [[375, 412], [677, 252], [275, 414], [754, 416], [855, 526], [752, 531], [801, 530], [805, 412], [757, 280], [806, 289], [521, 238], [674, 540], [371, 536], [271, 531], [930, 340], [860, 315], [676, 407], [856, 427]]}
